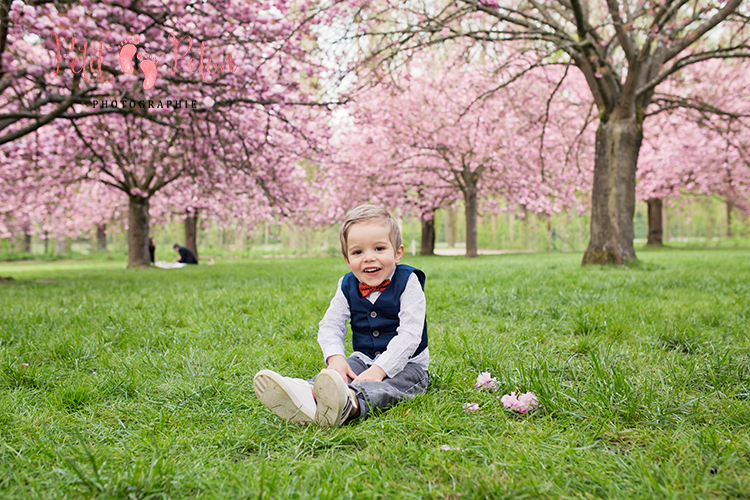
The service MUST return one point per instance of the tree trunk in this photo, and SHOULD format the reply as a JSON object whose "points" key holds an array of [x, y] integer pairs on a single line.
{"points": [[27, 243], [730, 206], [618, 142], [62, 247], [450, 227], [525, 230], [46, 243], [493, 225], [191, 232], [655, 218], [428, 236], [470, 199], [138, 226], [550, 241], [101, 237]]}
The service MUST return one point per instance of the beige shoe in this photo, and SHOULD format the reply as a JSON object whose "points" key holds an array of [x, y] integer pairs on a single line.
{"points": [[290, 398], [335, 400]]}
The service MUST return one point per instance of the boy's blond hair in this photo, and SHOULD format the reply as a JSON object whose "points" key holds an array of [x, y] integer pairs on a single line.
{"points": [[369, 213]]}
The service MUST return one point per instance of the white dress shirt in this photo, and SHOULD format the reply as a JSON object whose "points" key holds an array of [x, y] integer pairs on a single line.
{"points": [[411, 316]]}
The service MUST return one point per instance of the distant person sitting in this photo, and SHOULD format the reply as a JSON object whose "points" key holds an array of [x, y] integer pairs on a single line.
{"points": [[186, 255], [151, 248]]}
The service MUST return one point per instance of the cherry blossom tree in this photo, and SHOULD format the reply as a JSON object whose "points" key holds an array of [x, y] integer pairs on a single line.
{"points": [[624, 50], [445, 129], [699, 146], [362, 169], [243, 198], [154, 94], [45, 192], [689, 159]]}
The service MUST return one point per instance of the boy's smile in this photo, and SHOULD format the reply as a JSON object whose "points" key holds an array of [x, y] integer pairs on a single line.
{"points": [[371, 256]]}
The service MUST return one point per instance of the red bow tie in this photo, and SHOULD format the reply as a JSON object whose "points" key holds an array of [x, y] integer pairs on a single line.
{"points": [[366, 289]]}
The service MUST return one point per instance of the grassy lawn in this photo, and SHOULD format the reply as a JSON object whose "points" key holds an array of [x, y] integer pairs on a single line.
{"points": [[139, 383]]}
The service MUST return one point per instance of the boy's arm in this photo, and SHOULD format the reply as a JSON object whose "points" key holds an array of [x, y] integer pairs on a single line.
{"points": [[409, 332], [331, 333]]}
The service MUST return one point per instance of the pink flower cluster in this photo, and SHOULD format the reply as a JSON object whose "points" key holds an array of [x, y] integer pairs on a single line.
{"points": [[470, 407], [485, 381], [523, 403]]}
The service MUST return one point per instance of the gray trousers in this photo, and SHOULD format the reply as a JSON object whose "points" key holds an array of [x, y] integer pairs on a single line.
{"points": [[379, 396]]}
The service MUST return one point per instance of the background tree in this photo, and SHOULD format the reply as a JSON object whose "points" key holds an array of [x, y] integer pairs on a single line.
{"points": [[446, 126], [363, 168], [691, 160], [624, 51], [244, 65], [697, 144]]}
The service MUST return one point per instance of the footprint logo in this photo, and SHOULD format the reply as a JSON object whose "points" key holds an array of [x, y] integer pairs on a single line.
{"points": [[148, 66], [127, 51]]}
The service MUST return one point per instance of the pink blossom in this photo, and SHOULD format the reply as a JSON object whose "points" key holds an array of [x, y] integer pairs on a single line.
{"points": [[523, 403], [470, 407], [486, 381], [447, 447]]}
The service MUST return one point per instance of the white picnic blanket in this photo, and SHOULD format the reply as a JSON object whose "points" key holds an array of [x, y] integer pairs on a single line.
{"points": [[161, 264]]}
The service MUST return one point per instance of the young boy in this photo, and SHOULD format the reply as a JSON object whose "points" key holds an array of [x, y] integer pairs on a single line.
{"points": [[386, 305]]}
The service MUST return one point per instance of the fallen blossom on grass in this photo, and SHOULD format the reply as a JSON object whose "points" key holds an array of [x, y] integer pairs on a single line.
{"points": [[485, 381], [447, 447], [470, 407], [523, 403]]}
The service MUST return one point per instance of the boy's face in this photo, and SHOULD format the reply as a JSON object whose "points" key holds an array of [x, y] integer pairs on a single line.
{"points": [[371, 256]]}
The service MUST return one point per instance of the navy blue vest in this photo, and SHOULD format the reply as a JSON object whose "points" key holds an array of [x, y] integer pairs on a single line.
{"points": [[374, 325]]}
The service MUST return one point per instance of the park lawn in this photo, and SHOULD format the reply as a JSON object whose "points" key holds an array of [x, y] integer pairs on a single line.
{"points": [[139, 383]]}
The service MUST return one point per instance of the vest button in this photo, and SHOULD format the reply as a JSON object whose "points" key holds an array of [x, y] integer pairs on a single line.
{"points": [[375, 333], [373, 314]]}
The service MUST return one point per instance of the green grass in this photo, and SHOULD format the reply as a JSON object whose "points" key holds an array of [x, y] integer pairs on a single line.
{"points": [[139, 383]]}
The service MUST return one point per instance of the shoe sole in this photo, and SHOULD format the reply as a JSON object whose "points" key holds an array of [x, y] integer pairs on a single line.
{"points": [[271, 391], [330, 396]]}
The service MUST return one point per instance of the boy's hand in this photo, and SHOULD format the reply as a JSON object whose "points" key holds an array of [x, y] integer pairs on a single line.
{"points": [[372, 374], [338, 363]]}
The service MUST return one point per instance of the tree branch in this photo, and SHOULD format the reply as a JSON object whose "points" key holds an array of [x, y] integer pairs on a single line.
{"points": [[624, 39], [725, 53], [690, 38]]}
